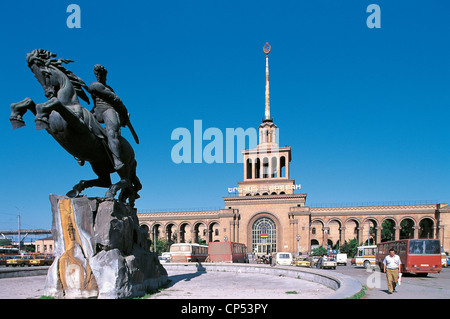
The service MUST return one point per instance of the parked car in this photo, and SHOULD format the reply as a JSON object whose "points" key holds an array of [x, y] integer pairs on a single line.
{"points": [[341, 259], [329, 263], [283, 258], [302, 262], [444, 259], [4, 258], [18, 260], [165, 257], [42, 260], [162, 260]]}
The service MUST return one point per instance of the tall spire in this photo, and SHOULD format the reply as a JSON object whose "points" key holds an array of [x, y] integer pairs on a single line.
{"points": [[267, 116]]}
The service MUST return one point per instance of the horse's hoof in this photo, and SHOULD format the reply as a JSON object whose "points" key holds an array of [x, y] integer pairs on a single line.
{"points": [[17, 122], [42, 124], [73, 193]]}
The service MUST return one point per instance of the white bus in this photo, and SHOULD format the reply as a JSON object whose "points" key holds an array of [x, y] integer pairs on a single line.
{"points": [[365, 256], [188, 253]]}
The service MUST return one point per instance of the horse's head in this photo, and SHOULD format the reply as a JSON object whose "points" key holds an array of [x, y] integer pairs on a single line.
{"points": [[53, 76], [38, 62]]}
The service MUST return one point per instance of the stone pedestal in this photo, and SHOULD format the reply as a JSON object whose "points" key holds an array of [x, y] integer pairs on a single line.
{"points": [[100, 251]]}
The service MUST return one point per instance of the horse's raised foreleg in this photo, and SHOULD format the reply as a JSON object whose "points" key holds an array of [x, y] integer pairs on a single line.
{"points": [[18, 110], [43, 111]]}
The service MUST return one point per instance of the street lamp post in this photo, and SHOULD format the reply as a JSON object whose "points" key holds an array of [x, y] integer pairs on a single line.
{"points": [[154, 239], [298, 247]]}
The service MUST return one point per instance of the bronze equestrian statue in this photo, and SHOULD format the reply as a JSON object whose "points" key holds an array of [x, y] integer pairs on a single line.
{"points": [[78, 130]]}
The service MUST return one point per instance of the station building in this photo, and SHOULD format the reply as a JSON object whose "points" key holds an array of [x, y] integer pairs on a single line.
{"points": [[268, 215]]}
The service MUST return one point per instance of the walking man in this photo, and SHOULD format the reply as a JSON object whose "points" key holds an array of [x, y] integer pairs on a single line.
{"points": [[392, 264]]}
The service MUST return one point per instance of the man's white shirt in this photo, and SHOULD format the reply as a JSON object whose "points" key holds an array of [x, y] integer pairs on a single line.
{"points": [[392, 262]]}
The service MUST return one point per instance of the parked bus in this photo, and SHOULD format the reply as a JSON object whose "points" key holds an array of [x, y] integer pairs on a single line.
{"points": [[418, 256], [188, 252], [228, 251], [365, 256]]}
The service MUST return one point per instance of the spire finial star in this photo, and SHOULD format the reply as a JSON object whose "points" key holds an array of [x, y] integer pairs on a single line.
{"points": [[267, 48]]}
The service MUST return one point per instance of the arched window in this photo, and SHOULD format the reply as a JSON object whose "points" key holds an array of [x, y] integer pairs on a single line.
{"points": [[282, 167], [249, 168], [265, 166], [273, 171], [314, 243], [264, 236], [257, 168], [426, 228]]}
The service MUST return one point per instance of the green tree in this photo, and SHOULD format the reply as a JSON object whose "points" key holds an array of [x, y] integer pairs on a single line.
{"points": [[350, 247], [5, 242], [387, 231], [162, 245], [406, 229], [319, 251]]}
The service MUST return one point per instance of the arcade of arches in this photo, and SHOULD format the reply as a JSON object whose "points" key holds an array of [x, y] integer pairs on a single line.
{"points": [[274, 223], [370, 225]]}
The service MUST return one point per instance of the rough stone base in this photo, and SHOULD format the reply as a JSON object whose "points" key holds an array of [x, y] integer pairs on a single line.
{"points": [[100, 251]]}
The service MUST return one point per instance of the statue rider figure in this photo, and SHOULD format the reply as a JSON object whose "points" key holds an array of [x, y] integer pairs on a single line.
{"points": [[109, 109]]}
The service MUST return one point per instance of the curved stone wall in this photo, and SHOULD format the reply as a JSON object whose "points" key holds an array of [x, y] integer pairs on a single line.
{"points": [[343, 285]]}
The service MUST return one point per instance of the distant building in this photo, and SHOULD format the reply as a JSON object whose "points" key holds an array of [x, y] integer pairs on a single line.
{"points": [[268, 216], [44, 245]]}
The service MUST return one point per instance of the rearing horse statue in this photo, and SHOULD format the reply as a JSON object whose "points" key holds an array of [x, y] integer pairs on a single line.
{"points": [[75, 128]]}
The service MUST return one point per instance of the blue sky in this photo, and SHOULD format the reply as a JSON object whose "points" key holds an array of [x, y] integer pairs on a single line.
{"points": [[366, 111]]}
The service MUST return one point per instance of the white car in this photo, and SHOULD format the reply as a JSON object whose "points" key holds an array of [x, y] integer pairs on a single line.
{"points": [[164, 258], [283, 258], [329, 263]]}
